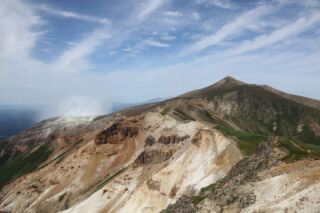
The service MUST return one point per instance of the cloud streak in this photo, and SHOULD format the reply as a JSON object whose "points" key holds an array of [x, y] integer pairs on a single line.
{"points": [[226, 4], [73, 15], [173, 14], [301, 25], [75, 58], [148, 7], [233, 28], [17, 29], [153, 43]]}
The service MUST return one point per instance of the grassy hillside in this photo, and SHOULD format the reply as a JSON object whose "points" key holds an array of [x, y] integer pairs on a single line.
{"points": [[23, 163]]}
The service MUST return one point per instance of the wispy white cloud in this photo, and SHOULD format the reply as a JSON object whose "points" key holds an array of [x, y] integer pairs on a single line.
{"points": [[173, 14], [168, 38], [305, 3], [73, 15], [20, 70], [232, 28], [19, 32], [132, 50], [154, 43], [17, 29], [196, 15], [148, 7], [75, 58], [301, 25], [219, 3]]}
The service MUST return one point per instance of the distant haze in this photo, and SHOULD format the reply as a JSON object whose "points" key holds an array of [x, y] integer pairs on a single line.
{"points": [[15, 120]]}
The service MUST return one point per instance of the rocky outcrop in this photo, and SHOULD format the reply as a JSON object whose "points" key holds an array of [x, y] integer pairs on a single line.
{"points": [[153, 157], [172, 139], [47, 132], [116, 133], [129, 131], [183, 205], [152, 184], [228, 191], [150, 140]]}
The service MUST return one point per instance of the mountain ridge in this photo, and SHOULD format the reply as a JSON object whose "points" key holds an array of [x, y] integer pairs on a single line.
{"points": [[198, 151], [230, 83]]}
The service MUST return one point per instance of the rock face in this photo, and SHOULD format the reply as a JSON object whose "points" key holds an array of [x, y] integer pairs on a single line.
{"points": [[118, 173], [183, 205], [228, 191], [236, 191], [230, 147], [172, 139], [45, 132], [116, 132], [150, 140], [153, 156]]}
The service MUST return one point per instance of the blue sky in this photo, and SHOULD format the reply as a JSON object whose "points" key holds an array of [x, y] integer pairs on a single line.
{"points": [[92, 53]]}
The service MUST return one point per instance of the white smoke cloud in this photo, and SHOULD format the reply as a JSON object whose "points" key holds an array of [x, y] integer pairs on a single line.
{"points": [[76, 106], [81, 106]]}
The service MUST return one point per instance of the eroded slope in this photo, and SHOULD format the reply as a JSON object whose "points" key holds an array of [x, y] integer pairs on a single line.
{"points": [[141, 163]]}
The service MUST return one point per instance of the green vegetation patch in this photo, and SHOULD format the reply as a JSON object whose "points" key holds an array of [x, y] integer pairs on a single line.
{"points": [[100, 117], [308, 136], [210, 187], [182, 115], [298, 150], [61, 197], [60, 157], [23, 164], [196, 200], [2, 145], [247, 141], [165, 111], [108, 179], [206, 116]]}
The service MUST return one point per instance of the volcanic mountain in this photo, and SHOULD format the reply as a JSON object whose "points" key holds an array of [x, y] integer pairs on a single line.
{"points": [[229, 147]]}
